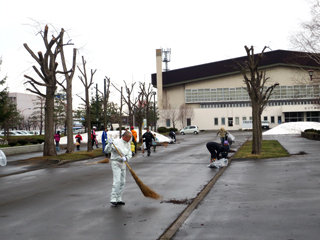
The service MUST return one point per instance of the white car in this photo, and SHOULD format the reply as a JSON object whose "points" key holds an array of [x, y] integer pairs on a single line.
{"points": [[190, 129], [11, 133], [25, 133]]}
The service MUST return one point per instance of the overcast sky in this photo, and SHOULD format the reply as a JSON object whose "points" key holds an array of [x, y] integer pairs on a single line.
{"points": [[120, 38]]}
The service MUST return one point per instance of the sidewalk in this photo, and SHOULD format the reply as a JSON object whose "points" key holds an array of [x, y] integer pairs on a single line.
{"points": [[262, 199]]}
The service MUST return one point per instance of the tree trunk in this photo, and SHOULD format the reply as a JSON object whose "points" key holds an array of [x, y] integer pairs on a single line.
{"points": [[70, 144], [49, 147], [256, 129]]}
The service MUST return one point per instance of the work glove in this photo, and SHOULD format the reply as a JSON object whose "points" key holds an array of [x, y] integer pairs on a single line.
{"points": [[110, 140], [124, 159]]}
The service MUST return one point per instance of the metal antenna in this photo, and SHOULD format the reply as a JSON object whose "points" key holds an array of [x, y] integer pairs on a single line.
{"points": [[166, 57]]}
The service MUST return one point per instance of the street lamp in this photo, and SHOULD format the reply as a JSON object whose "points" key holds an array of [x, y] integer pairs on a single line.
{"points": [[311, 75], [154, 110]]}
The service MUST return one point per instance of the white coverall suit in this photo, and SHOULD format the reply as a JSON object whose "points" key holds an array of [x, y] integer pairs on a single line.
{"points": [[118, 167]]}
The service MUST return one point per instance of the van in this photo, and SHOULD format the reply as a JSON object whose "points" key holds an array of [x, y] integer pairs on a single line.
{"points": [[265, 125]]}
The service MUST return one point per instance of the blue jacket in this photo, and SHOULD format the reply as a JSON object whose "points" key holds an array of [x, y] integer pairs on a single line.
{"points": [[104, 137]]}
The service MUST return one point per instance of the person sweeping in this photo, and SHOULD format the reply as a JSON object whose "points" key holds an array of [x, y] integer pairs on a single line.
{"points": [[119, 146]]}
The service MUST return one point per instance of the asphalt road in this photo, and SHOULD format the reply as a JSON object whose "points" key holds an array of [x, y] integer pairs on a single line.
{"points": [[72, 201]]}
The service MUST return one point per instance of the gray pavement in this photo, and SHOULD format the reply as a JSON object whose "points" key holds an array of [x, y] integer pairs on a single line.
{"points": [[252, 199], [263, 199]]}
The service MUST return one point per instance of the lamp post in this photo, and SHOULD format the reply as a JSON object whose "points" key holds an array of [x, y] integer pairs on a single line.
{"points": [[154, 110], [311, 75]]}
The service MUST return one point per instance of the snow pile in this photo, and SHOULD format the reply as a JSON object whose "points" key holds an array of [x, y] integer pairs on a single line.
{"points": [[292, 128], [113, 135]]}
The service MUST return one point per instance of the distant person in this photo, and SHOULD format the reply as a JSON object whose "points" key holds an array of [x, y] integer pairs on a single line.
{"points": [[119, 166], [215, 149], [78, 140], [154, 142], [148, 140], [172, 135], [57, 140], [134, 138], [223, 134], [104, 140], [94, 137]]}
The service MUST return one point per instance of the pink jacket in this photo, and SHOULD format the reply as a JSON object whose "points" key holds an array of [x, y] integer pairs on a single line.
{"points": [[57, 137]]}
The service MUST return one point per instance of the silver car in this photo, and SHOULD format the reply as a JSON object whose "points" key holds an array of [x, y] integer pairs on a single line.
{"points": [[190, 129]]}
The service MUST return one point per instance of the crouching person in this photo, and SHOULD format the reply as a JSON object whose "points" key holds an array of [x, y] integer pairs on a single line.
{"points": [[215, 149], [118, 165]]}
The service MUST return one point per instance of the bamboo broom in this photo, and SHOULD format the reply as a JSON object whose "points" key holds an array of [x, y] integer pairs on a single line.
{"points": [[106, 160], [147, 192]]}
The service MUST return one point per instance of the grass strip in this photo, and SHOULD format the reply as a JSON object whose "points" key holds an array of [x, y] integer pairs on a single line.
{"points": [[269, 149]]}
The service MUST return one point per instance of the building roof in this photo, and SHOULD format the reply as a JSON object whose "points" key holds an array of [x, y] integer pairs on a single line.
{"points": [[226, 67]]}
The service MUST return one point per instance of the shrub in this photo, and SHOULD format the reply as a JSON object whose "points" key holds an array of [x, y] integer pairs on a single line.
{"points": [[312, 131], [13, 143], [39, 140], [34, 142], [162, 129], [22, 142], [121, 128]]}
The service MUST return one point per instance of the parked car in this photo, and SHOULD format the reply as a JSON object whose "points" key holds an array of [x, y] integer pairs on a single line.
{"points": [[34, 132], [190, 129], [265, 125], [11, 133], [25, 133]]}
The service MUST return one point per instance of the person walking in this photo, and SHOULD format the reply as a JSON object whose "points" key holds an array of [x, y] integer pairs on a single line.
{"points": [[118, 165], [57, 140], [104, 139], [222, 133], [134, 138], [148, 140], [94, 137], [155, 142], [78, 140], [215, 149]]}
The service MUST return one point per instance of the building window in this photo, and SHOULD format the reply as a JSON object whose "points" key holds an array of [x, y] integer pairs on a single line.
{"points": [[313, 116], [250, 118], [237, 120], [230, 122], [265, 118], [168, 122], [188, 121], [279, 119], [293, 117], [223, 121], [244, 118], [216, 121], [272, 119]]}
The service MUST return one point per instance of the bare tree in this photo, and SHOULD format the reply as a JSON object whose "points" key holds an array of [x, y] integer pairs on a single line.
{"points": [[255, 81], [106, 100], [68, 89], [87, 84], [38, 115], [47, 73], [140, 113], [306, 39], [128, 100], [147, 92], [185, 112]]}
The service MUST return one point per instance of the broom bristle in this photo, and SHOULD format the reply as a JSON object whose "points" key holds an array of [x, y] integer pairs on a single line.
{"points": [[165, 144], [147, 192], [106, 160]]}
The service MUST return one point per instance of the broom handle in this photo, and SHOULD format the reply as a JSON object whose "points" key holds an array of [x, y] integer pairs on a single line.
{"points": [[121, 155]]}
